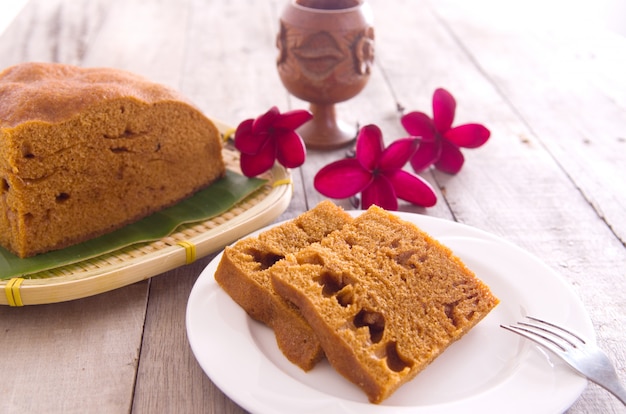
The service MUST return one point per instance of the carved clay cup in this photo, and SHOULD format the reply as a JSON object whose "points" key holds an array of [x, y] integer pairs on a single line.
{"points": [[326, 50]]}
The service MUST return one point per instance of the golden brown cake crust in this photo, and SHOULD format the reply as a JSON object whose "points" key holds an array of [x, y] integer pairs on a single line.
{"points": [[53, 92], [383, 298], [85, 151], [243, 272]]}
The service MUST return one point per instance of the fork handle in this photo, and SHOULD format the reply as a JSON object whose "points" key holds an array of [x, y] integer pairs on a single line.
{"points": [[620, 394], [617, 390]]}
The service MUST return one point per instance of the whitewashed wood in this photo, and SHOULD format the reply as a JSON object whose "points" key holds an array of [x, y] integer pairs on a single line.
{"points": [[8, 10], [72, 357], [169, 378], [230, 60], [53, 31], [546, 180], [143, 36], [575, 63]]}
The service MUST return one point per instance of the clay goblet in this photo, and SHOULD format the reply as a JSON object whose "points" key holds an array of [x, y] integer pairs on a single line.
{"points": [[326, 50]]}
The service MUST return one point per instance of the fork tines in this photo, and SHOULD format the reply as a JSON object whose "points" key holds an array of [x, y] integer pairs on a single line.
{"points": [[586, 358], [540, 331]]}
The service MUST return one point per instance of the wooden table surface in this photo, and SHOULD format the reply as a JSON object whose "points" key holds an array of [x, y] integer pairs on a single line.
{"points": [[548, 81]]}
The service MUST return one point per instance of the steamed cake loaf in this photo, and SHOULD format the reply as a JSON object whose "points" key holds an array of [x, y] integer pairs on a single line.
{"points": [[383, 298], [243, 272], [85, 151]]}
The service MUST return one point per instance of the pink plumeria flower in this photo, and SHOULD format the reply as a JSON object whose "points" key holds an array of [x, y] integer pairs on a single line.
{"points": [[440, 145], [271, 137], [377, 173]]}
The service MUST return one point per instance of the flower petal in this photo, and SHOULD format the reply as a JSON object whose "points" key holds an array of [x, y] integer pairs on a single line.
{"points": [[451, 159], [397, 154], [444, 107], [342, 179], [247, 142], [419, 124], [291, 151], [255, 164], [264, 122], [369, 146], [426, 155], [381, 193], [468, 135], [293, 119], [413, 189]]}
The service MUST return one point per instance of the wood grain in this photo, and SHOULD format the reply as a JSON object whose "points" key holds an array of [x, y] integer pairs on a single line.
{"points": [[66, 357], [167, 368], [550, 179]]}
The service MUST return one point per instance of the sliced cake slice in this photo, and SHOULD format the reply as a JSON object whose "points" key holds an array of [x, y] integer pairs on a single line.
{"points": [[243, 273], [383, 298]]}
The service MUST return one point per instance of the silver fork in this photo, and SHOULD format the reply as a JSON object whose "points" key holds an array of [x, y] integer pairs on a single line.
{"points": [[584, 357]]}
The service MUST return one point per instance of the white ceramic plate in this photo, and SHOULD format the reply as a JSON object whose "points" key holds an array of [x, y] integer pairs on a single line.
{"points": [[489, 370]]}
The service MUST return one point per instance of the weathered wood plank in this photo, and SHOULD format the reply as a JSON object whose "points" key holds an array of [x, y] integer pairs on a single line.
{"points": [[145, 37], [53, 31], [8, 11], [557, 80], [229, 68], [168, 368], [72, 357]]}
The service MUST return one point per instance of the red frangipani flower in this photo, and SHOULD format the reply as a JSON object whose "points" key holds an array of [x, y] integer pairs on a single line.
{"points": [[440, 142], [377, 173], [271, 137]]}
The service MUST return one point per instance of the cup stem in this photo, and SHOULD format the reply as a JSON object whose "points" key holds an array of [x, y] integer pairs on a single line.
{"points": [[324, 131]]}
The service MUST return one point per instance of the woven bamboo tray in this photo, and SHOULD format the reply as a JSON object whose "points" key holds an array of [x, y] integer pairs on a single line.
{"points": [[142, 261]]}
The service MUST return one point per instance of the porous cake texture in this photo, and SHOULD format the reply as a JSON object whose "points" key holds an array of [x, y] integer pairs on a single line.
{"points": [[243, 272], [383, 298], [85, 151]]}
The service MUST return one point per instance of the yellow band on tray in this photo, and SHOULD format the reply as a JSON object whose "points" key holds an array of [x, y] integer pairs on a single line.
{"points": [[12, 290], [228, 134], [284, 181], [190, 251]]}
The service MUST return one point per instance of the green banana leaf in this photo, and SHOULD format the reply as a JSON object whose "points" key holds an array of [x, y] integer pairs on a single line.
{"points": [[210, 202]]}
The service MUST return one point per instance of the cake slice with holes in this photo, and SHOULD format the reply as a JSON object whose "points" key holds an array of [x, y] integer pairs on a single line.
{"points": [[243, 272], [384, 299]]}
